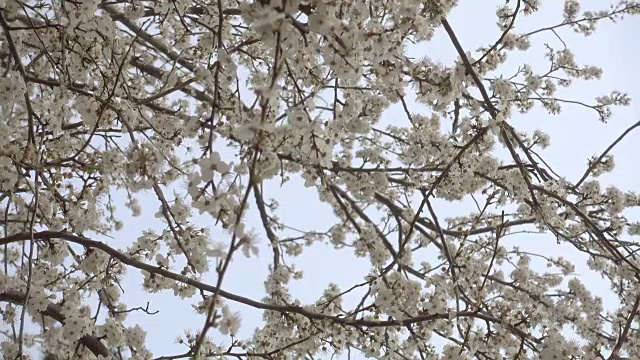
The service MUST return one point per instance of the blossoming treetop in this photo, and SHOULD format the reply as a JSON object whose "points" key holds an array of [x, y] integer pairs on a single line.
{"points": [[102, 98]]}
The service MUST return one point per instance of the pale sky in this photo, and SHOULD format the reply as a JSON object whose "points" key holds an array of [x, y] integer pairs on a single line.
{"points": [[576, 134]]}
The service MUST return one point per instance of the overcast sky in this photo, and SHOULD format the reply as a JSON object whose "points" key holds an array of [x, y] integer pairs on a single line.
{"points": [[576, 134]]}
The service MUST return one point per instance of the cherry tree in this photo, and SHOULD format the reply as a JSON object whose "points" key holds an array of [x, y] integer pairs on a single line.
{"points": [[106, 102]]}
